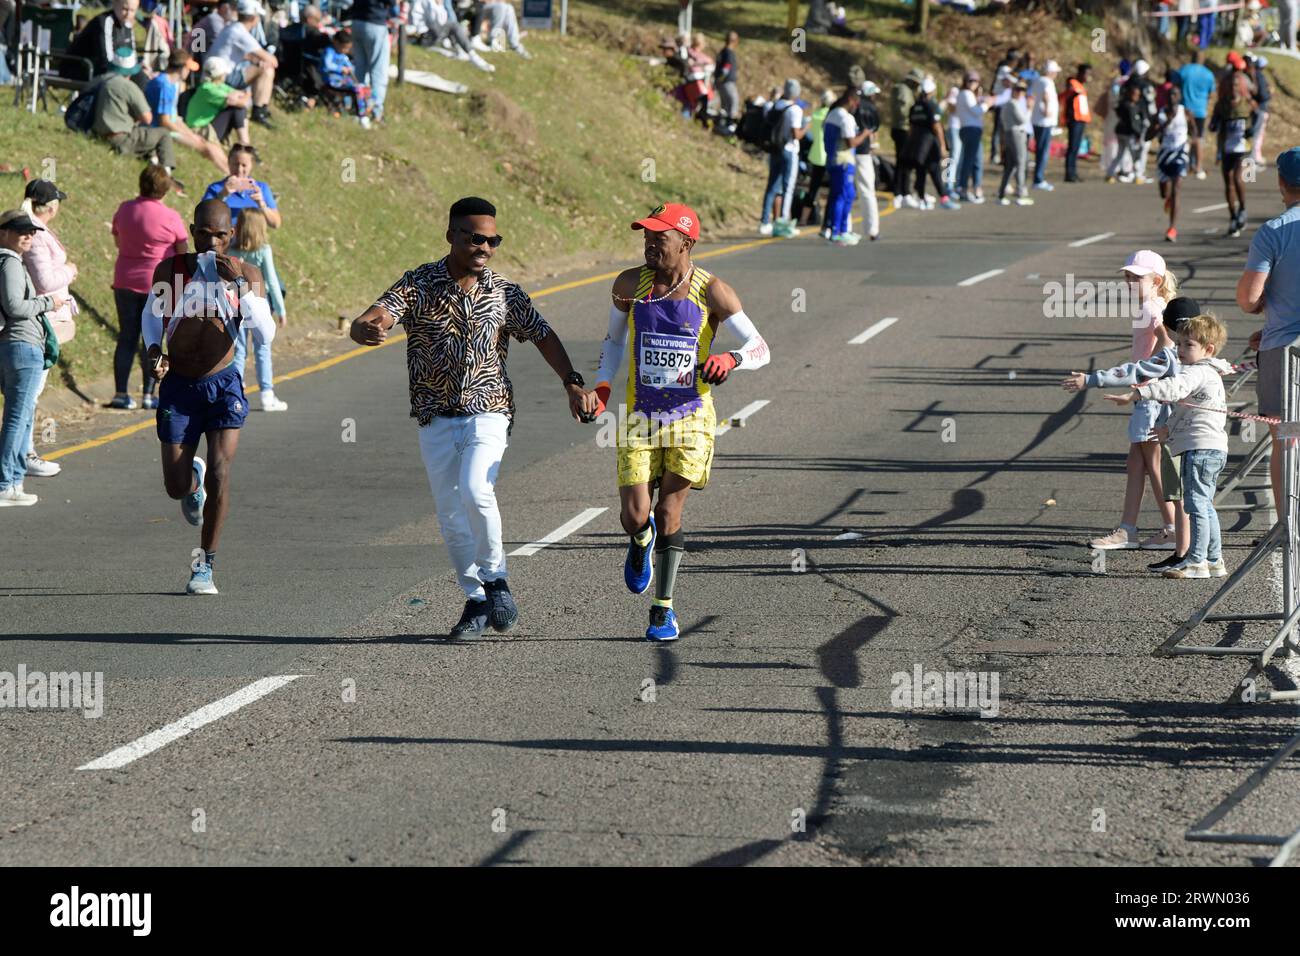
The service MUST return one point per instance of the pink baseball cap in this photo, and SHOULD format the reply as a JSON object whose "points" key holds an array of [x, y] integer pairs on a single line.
{"points": [[1145, 262]]}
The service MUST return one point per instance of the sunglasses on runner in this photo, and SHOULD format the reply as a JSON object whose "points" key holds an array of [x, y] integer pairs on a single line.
{"points": [[478, 239]]}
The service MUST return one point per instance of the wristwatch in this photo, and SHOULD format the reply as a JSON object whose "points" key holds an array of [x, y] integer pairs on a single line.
{"points": [[575, 378], [739, 357]]}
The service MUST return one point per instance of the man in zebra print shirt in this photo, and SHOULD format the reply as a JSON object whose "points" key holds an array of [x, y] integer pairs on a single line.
{"points": [[459, 317]]}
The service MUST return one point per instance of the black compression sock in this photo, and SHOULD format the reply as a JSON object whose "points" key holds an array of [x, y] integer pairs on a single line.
{"points": [[668, 557]]}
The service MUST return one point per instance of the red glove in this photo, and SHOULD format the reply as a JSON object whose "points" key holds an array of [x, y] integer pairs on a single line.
{"points": [[716, 368]]}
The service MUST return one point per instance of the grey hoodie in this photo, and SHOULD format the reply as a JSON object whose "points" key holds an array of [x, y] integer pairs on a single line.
{"points": [[1195, 429], [1163, 364]]}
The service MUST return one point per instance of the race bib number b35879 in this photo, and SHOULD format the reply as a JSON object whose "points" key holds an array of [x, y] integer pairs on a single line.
{"points": [[666, 361]]}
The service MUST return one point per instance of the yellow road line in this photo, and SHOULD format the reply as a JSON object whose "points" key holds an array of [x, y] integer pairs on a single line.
{"points": [[394, 339]]}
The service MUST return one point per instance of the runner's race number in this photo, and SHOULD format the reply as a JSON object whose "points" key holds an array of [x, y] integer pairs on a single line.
{"points": [[666, 361]]}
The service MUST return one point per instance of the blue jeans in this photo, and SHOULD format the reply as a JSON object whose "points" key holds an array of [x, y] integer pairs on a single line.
{"points": [[782, 168], [370, 59], [261, 359], [1201, 469], [971, 173], [21, 365], [1042, 149]]}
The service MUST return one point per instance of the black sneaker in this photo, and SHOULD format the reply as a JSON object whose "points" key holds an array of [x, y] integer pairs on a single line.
{"points": [[474, 619], [503, 613], [262, 116], [1167, 563]]}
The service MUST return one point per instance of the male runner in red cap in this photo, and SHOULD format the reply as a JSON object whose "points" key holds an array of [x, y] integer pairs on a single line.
{"points": [[672, 310]]}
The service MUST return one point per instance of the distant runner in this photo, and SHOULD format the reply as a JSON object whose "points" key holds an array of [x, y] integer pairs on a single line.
{"points": [[672, 310]]}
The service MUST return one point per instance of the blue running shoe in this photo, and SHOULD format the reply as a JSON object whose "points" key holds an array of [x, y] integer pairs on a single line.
{"points": [[201, 581], [149, 402], [192, 504], [663, 625], [639, 569]]}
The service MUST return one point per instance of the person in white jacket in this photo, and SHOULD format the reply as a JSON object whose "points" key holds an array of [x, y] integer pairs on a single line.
{"points": [[1044, 116], [1198, 433]]}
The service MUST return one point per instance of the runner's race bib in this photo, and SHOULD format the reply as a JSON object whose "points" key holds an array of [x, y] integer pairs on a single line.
{"points": [[666, 361]]}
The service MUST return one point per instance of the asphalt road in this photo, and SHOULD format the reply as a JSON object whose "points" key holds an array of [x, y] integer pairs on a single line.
{"points": [[887, 509]]}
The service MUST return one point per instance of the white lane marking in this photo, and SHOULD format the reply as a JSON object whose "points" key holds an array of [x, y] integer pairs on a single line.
{"points": [[1215, 208], [981, 277], [721, 429], [177, 729], [738, 419], [1100, 237], [559, 534], [874, 330]]}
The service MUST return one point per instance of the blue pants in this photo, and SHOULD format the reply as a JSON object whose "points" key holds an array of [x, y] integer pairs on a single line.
{"points": [[370, 60], [261, 359], [1200, 473], [21, 365], [1205, 23], [843, 192], [1042, 149], [971, 173], [782, 170]]}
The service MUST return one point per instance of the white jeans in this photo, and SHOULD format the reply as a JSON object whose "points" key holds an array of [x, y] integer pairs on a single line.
{"points": [[463, 459], [866, 187]]}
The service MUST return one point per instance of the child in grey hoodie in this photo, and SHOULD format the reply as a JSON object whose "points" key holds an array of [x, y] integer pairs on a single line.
{"points": [[1162, 364], [1198, 433]]}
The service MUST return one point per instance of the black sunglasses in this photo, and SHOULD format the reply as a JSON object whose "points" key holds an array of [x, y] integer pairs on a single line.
{"points": [[478, 239]]}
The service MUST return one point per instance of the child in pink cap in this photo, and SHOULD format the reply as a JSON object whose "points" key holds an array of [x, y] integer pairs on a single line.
{"points": [[1153, 285]]}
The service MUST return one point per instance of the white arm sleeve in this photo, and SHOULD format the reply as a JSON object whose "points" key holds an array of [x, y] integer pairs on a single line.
{"points": [[255, 314], [611, 350], [151, 321], [753, 350]]}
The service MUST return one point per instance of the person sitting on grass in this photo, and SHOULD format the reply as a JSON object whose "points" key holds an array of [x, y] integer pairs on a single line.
{"points": [[217, 109], [163, 93], [341, 77]]}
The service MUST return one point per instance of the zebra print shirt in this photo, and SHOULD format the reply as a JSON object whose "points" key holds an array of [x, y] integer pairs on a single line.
{"points": [[456, 341]]}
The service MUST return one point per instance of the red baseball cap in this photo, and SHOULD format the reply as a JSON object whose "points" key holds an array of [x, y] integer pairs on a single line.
{"points": [[671, 216], [1236, 60]]}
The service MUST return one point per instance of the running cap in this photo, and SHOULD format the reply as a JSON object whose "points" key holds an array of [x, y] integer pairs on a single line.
{"points": [[1141, 67], [914, 75], [1144, 262], [1052, 67], [15, 220], [791, 89], [1288, 166], [928, 85], [1179, 310], [869, 89], [671, 216], [248, 8], [1260, 61]]}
